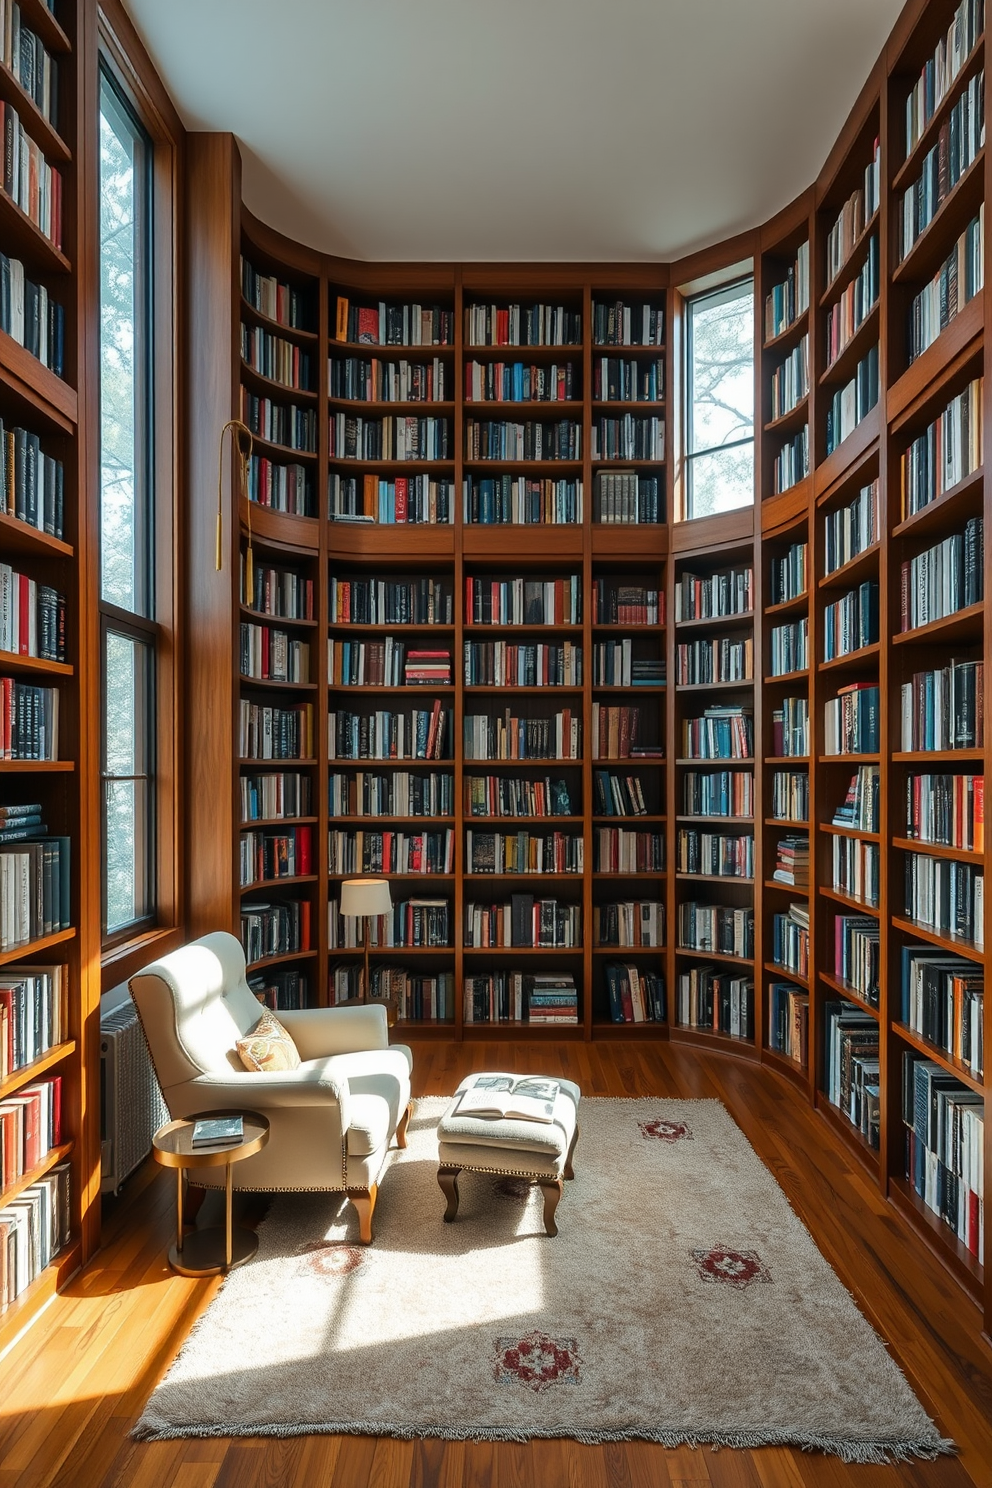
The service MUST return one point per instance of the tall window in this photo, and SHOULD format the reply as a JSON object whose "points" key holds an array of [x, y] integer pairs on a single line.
{"points": [[719, 463], [129, 633]]}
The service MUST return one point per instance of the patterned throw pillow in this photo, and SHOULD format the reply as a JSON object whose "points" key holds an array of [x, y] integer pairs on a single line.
{"points": [[268, 1046]]}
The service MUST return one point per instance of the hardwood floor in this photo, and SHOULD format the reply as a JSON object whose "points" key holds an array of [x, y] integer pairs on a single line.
{"points": [[72, 1387]]}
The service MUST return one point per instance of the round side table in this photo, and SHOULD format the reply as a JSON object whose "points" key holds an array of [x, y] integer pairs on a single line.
{"points": [[211, 1251]]}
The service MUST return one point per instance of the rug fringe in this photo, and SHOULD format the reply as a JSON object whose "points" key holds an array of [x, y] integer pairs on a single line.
{"points": [[879, 1453]]}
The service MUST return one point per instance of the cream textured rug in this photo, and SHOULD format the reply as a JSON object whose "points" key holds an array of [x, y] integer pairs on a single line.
{"points": [[682, 1302]]}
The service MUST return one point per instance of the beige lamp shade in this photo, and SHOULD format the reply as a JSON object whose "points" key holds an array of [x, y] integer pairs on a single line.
{"points": [[365, 896]]}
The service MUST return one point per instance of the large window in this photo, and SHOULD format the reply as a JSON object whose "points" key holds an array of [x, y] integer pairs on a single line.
{"points": [[129, 633], [719, 464]]}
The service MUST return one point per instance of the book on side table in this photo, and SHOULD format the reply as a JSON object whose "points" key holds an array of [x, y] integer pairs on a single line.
{"points": [[527, 1098], [217, 1131]]}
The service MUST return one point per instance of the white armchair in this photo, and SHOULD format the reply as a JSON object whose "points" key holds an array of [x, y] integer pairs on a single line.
{"points": [[331, 1121]]}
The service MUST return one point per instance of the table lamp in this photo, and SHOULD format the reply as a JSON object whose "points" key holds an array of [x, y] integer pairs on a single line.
{"points": [[361, 898]]}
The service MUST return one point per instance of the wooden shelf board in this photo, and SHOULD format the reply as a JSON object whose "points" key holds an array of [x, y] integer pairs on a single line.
{"points": [[857, 905], [855, 658], [948, 942], [927, 756], [798, 414], [851, 262], [39, 767], [714, 956], [38, 384], [275, 883], [272, 684], [787, 332], [938, 850], [260, 617], [716, 878], [964, 624], [282, 452], [278, 327], [849, 1132], [12, 662], [847, 759], [36, 123], [790, 976], [535, 407], [374, 349], [788, 606], [682, 687], [940, 1056], [726, 622], [272, 388], [852, 569], [842, 831], [281, 958], [935, 515], [23, 236], [801, 675], [844, 989], [28, 1073], [736, 820], [691, 1033], [34, 947], [49, 1161], [938, 1236]]}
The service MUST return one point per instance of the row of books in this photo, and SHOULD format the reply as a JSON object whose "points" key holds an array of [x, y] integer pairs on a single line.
{"points": [[711, 596], [409, 437], [413, 922], [851, 622], [397, 601], [279, 423], [946, 810], [283, 488], [631, 922], [790, 647], [946, 578], [30, 316], [507, 664], [523, 852], [30, 1127], [945, 896], [719, 928], [718, 793], [618, 851], [513, 795], [419, 996], [860, 807], [847, 315], [418, 733], [28, 179], [635, 995], [500, 439], [280, 592], [618, 795], [279, 794], [393, 325], [407, 498], [790, 729], [29, 723], [515, 996], [628, 437], [960, 277], [953, 49], [792, 462], [522, 325], [948, 450], [391, 852], [714, 854], [716, 1000], [721, 659], [34, 1227], [287, 987], [275, 929], [945, 1147], [32, 617], [944, 708], [615, 665], [851, 1067], [853, 402], [851, 529], [23, 53], [854, 216], [31, 481], [851, 720], [265, 732], [275, 358], [520, 601], [789, 383], [626, 380], [790, 939], [856, 867], [787, 574], [516, 499], [617, 324], [521, 382], [267, 855], [723, 732], [788, 1022], [385, 663], [396, 793], [616, 734], [856, 955], [961, 137], [790, 795], [788, 300], [523, 921], [623, 496], [276, 300], [34, 889], [942, 998], [488, 737], [272, 655], [626, 604], [33, 1014], [372, 380]]}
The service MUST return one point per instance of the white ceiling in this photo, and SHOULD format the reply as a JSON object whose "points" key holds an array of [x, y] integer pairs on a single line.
{"points": [[518, 129]]}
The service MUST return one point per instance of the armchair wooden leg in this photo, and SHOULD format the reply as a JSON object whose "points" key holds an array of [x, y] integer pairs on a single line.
{"points": [[404, 1122], [364, 1202], [552, 1193]]}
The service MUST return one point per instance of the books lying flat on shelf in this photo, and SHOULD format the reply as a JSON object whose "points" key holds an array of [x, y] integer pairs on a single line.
{"points": [[524, 1099], [792, 862], [217, 1131]]}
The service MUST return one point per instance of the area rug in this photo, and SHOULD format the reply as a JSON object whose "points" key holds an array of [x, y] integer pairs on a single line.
{"points": [[681, 1302]]}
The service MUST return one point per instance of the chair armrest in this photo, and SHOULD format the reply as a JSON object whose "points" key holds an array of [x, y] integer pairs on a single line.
{"points": [[262, 1091], [320, 1032]]}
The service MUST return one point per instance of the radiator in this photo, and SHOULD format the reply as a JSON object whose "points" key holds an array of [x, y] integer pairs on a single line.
{"points": [[131, 1104]]}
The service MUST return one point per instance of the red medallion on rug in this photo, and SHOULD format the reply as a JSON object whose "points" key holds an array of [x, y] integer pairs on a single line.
{"points": [[666, 1131], [537, 1361], [738, 1268], [325, 1258]]}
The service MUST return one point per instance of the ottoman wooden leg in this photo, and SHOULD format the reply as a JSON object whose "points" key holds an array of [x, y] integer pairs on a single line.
{"points": [[448, 1181], [569, 1170], [552, 1193]]}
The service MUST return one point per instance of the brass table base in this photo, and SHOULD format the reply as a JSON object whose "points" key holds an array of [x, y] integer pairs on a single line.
{"points": [[203, 1251]]}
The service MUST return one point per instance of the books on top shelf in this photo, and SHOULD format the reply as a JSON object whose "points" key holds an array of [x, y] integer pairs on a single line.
{"points": [[406, 499], [948, 449], [790, 939], [513, 795], [852, 1067], [721, 659], [519, 382], [711, 596], [31, 481], [396, 601], [275, 358], [523, 852], [788, 1022], [522, 325], [626, 604], [723, 732], [945, 896], [854, 216], [391, 793], [717, 928], [946, 578], [488, 737], [945, 708], [272, 655], [616, 850], [524, 921], [624, 496], [635, 994], [856, 869], [945, 1147], [718, 793], [618, 324], [269, 855], [790, 647], [628, 380], [374, 380], [854, 401], [857, 954], [847, 315], [391, 852], [792, 862], [860, 807], [275, 733], [791, 462], [628, 436], [942, 998], [790, 795], [716, 1000], [396, 437], [960, 277], [417, 733], [851, 622], [269, 796], [284, 488], [508, 664], [23, 53], [615, 665], [413, 922], [788, 300], [29, 723], [279, 928], [939, 71], [961, 137], [278, 592], [630, 922], [789, 383], [32, 1014], [525, 1098], [946, 810], [714, 854], [851, 529], [274, 298], [851, 720], [30, 316], [277, 423], [790, 729], [393, 325], [507, 499], [29, 180], [521, 601], [34, 888]]}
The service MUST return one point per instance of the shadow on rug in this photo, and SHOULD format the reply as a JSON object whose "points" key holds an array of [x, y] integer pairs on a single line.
{"points": [[682, 1302]]}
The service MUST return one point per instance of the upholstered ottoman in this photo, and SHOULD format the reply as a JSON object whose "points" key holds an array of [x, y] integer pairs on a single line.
{"points": [[512, 1147]]}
